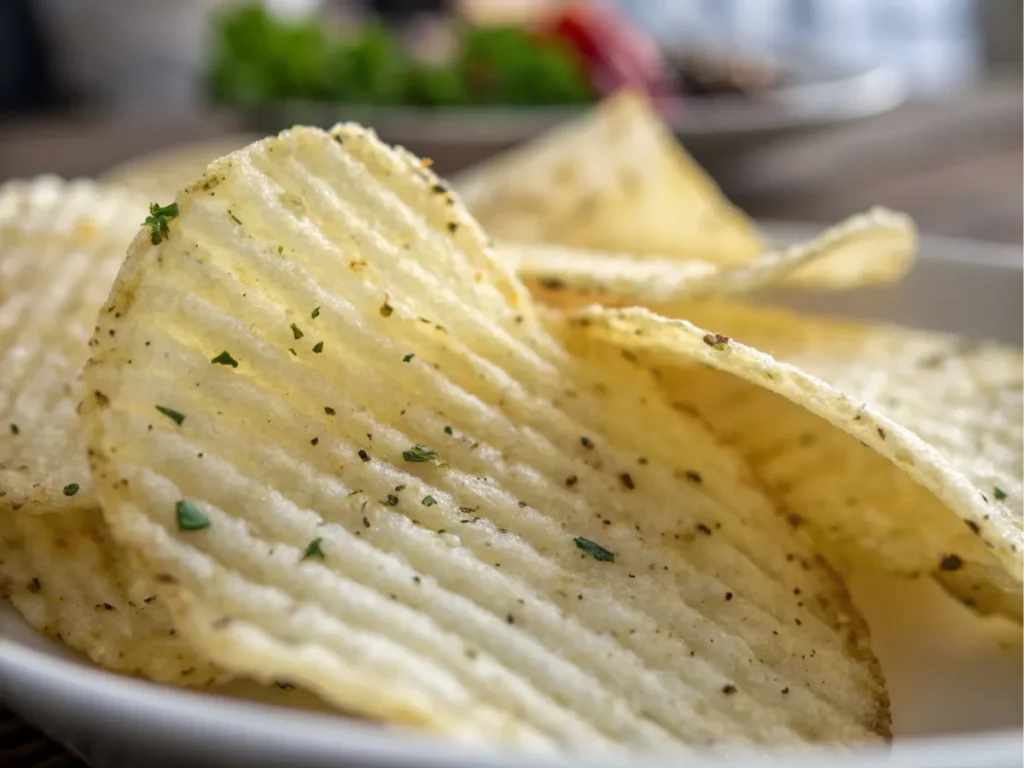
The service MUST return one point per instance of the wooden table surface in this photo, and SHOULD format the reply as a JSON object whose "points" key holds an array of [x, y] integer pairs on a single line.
{"points": [[955, 166]]}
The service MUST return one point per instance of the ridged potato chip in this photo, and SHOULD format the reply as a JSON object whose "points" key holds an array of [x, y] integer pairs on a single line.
{"points": [[330, 423], [613, 180], [68, 579], [61, 244], [870, 248], [923, 474]]}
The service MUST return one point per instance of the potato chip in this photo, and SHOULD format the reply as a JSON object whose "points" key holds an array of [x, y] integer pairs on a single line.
{"points": [[330, 423], [60, 246], [867, 249], [67, 578], [613, 180], [159, 175], [934, 489]]}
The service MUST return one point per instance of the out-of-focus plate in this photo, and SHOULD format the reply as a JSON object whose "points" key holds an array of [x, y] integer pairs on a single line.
{"points": [[955, 679]]}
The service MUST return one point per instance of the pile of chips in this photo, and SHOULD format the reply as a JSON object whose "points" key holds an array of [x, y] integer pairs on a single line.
{"points": [[561, 489]]}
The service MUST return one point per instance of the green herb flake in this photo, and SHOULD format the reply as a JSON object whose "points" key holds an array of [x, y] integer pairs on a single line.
{"points": [[419, 454], [172, 414], [468, 511], [408, 358], [392, 500], [225, 358], [280, 250], [313, 549], [428, 501], [15, 430], [157, 220], [315, 313], [318, 347], [594, 549], [999, 493], [297, 332], [329, 411], [716, 340], [71, 489], [190, 517], [448, 431]]}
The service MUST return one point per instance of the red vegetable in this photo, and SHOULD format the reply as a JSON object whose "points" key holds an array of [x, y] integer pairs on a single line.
{"points": [[618, 53]]}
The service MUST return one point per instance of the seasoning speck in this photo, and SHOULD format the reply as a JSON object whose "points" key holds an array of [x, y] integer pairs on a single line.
{"points": [[999, 493], [627, 480], [71, 489], [419, 453], [428, 501], [172, 414], [408, 357], [15, 430], [313, 549], [594, 549], [329, 411], [716, 340], [225, 358], [315, 313], [951, 563], [318, 347], [190, 517], [297, 332], [364, 455], [157, 221]]}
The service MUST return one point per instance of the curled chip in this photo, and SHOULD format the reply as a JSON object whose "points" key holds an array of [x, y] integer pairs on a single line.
{"points": [[160, 175], [60, 247], [867, 249], [408, 497], [922, 475], [613, 180]]}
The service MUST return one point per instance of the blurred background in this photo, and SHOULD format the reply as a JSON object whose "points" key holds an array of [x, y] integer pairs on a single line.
{"points": [[801, 109]]}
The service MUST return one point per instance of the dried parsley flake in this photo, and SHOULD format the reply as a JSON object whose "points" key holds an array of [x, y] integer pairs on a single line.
{"points": [[594, 549]]}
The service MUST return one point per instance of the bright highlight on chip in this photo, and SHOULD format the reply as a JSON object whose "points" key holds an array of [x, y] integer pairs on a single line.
{"points": [[871, 248], [613, 180], [908, 459], [407, 495]]}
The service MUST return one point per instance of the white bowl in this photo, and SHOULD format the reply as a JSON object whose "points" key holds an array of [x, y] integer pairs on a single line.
{"points": [[955, 679]]}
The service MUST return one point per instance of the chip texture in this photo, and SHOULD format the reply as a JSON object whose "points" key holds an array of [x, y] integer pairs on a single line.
{"points": [[60, 247], [923, 474], [61, 244], [68, 579], [410, 498], [614, 180], [871, 248]]}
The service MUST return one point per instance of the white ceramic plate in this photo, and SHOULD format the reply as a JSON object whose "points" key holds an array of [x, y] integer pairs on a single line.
{"points": [[955, 679]]}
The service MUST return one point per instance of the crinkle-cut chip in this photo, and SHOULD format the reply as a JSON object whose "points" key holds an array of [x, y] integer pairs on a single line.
{"points": [[923, 474], [866, 249], [409, 498], [68, 579], [614, 179], [161, 175], [61, 243]]}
